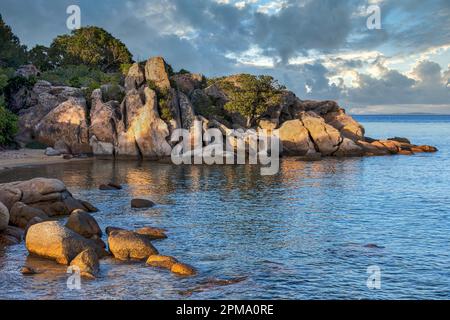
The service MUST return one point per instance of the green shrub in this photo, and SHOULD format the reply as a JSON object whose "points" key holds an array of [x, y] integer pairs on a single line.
{"points": [[8, 125], [124, 68], [163, 101], [79, 76]]}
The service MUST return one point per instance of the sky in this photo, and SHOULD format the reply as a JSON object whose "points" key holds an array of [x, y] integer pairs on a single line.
{"points": [[320, 49]]}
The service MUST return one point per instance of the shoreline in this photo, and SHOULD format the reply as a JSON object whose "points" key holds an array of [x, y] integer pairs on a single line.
{"points": [[10, 159]]}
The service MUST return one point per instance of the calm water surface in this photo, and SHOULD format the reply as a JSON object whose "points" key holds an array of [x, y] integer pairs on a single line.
{"points": [[298, 235]]}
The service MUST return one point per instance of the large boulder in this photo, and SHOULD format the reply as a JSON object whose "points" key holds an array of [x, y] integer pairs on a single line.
{"points": [[157, 71], [11, 236], [48, 195], [216, 94], [84, 224], [53, 241], [325, 137], [187, 112], [4, 217], [348, 126], [105, 119], [33, 104], [320, 107], [188, 82], [295, 139], [135, 77], [27, 71], [146, 134], [67, 122], [22, 214], [348, 148], [126, 245]]}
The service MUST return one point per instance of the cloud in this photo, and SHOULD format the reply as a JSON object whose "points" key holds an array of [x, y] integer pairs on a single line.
{"points": [[321, 49]]}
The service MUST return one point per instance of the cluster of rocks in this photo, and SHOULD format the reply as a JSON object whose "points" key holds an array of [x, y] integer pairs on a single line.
{"points": [[126, 121], [26, 212]]}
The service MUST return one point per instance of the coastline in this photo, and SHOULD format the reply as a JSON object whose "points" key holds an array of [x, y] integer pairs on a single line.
{"points": [[10, 159]]}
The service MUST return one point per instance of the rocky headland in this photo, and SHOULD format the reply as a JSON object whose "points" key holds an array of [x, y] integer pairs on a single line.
{"points": [[136, 119]]}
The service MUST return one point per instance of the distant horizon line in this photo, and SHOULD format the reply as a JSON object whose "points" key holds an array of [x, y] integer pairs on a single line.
{"points": [[400, 114]]}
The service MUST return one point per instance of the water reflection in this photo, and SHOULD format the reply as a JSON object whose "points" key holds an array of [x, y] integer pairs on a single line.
{"points": [[298, 234]]}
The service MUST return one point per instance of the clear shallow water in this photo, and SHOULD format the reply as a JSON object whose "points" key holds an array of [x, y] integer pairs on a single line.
{"points": [[297, 235]]}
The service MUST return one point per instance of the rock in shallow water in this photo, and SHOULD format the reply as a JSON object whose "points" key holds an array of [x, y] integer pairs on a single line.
{"points": [[84, 224], [141, 203], [159, 261], [53, 241], [152, 233], [128, 245], [4, 217], [182, 269], [22, 214], [87, 262]]}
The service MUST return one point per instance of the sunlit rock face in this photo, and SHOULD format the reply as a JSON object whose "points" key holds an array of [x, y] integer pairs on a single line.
{"points": [[136, 121]]}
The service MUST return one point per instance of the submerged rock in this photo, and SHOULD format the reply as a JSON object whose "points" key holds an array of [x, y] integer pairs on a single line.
{"points": [[141, 203], [28, 271]]}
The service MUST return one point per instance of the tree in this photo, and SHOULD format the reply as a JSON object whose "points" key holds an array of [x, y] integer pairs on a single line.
{"points": [[8, 124], [90, 46], [40, 56], [12, 53], [251, 95]]}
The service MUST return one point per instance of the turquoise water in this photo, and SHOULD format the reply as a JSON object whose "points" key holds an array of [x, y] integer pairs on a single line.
{"points": [[301, 234]]}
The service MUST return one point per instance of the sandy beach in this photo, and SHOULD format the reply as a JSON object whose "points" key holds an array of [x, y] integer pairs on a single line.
{"points": [[29, 157]]}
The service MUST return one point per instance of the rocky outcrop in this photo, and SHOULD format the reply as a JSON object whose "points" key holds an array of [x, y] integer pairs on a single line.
{"points": [[53, 241], [135, 121], [146, 134], [157, 72]]}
